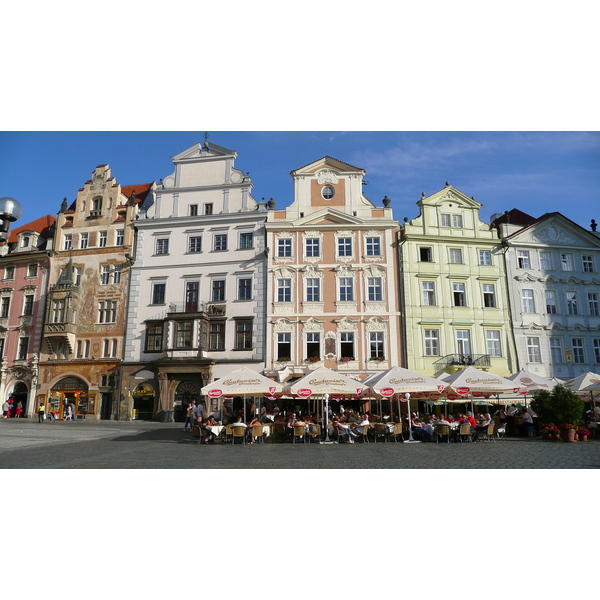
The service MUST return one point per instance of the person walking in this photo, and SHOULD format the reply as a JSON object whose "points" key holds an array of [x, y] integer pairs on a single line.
{"points": [[19, 410], [189, 414], [41, 412]]}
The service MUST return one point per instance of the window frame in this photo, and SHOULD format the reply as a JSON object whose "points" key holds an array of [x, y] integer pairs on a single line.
{"points": [[428, 293], [485, 255], [284, 289], [216, 336], [373, 246], [312, 247], [493, 343], [194, 244], [375, 289], [218, 290], [284, 248], [567, 262], [245, 235], [454, 253], [220, 242], [243, 334], [534, 351], [459, 296], [551, 302], [154, 334], [431, 342], [312, 289], [162, 246], [346, 289], [246, 288], [489, 296], [523, 259], [157, 293], [578, 350], [528, 302]]}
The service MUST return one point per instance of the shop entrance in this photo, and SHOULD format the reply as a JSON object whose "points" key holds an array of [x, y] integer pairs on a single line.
{"points": [[20, 394], [185, 393], [143, 402], [73, 391]]}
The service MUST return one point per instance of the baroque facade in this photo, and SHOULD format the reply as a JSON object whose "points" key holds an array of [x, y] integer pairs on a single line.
{"points": [[454, 290], [331, 293], [553, 268], [84, 326], [197, 299]]}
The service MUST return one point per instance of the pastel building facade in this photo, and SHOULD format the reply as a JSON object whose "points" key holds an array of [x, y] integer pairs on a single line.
{"points": [[454, 289], [332, 267]]}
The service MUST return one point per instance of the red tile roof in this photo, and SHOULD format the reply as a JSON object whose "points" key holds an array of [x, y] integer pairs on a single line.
{"points": [[41, 225], [141, 191]]}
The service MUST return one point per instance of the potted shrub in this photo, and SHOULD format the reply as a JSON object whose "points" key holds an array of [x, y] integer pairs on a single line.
{"points": [[562, 406], [345, 359], [582, 434], [312, 359]]}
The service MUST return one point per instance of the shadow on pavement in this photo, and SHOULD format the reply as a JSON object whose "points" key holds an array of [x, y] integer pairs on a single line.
{"points": [[166, 435]]}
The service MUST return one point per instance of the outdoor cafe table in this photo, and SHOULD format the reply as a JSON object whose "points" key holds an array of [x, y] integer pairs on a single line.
{"points": [[215, 429]]}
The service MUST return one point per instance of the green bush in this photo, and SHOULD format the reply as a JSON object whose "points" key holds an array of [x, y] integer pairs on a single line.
{"points": [[560, 406]]}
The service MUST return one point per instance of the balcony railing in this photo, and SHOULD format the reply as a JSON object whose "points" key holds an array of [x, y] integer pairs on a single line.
{"points": [[462, 360]]}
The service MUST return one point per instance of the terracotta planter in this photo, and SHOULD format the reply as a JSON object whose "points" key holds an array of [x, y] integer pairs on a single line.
{"points": [[582, 437], [567, 435], [555, 437]]}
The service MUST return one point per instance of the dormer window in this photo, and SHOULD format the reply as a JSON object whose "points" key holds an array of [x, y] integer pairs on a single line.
{"points": [[96, 210], [327, 192], [25, 241]]}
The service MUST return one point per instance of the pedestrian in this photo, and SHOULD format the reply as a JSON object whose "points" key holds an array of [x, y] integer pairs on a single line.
{"points": [[41, 412], [68, 413], [19, 410], [5, 410], [189, 413]]}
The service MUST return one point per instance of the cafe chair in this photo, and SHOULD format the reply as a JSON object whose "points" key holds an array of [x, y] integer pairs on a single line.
{"points": [[257, 434], [314, 432], [465, 430], [501, 431], [380, 430], [299, 431], [239, 432], [442, 430], [364, 436], [488, 434], [341, 432], [226, 434], [196, 432], [278, 430], [398, 431]]}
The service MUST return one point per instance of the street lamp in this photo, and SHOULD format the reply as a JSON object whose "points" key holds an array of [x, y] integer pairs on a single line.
{"points": [[10, 211]]}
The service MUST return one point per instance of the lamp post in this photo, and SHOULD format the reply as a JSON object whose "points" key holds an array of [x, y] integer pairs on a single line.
{"points": [[326, 440], [10, 211], [410, 439]]}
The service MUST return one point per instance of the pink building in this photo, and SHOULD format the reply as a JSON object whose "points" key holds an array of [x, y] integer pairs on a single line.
{"points": [[24, 276]]}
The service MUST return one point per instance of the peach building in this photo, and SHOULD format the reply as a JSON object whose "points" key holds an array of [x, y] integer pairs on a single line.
{"points": [[332, 296]]}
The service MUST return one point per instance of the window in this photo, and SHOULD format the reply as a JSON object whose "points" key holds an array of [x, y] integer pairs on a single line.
{"points": [[463, 342], [97, 205], [25, 241], [220, 242], [284, 346], [120, 237], [327, 192], [313, 345], [428, 293], [284, 247], [596, 351], [4, 307], [158, 293], [455, 220], [594, 304], [523, 261], [312, 247], [432, 342], [533, 350], [376, 344], [192, 294], [445, 220], [107, 312], [68, 242], [456, 256], [578, 353], [546, 261], [80, 349], [489, 295], [9, 272], [373, 246], [154, 337], [587, 261], [162, 246], [551, 308], [77, 271], [183, 334], [493, 343], [566, 262], [344, 246], [313, 289], [83, 240], [284, 290], [22, 351], [216, 337], [105, 275], [528, 303], [347, 345], [485, 257], [458, 291], [195, 244], [243, 334], [102, 239], [1, 347], [28, 305], [116, 273], [58, 311], [246, 241], [556, 351], [106, 349], [374, 289], [218, 290], [208, 208], [193, 210], [425, 254], [32, 270], [244, 289], [346, 286], [572, 308]]}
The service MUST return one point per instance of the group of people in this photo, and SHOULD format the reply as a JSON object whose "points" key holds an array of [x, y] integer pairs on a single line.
{"points": [[12, 409]]}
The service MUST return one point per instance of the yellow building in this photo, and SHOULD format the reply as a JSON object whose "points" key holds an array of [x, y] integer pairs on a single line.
{"points": [[454, 291]]}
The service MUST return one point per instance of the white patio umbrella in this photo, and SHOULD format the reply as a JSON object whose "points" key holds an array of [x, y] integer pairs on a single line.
{"points": [[533, 382], [594, 387], [404, 382], [581, 385], [323, 382], [242, 382]]}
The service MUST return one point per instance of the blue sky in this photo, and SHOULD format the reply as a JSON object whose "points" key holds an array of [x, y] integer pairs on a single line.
{"points": [[536, 172]]}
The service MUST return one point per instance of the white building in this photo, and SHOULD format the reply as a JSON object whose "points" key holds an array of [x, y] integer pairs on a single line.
{"points": [[196, 304], [554, 286]]}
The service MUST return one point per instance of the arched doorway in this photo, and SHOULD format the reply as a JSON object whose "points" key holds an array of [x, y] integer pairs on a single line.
{"points": [[20, 394], [185, 393], [143, 402], [74, 391]]}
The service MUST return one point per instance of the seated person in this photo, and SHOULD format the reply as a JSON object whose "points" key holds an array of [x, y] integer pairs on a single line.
{"points": [[420, 431], [343, 427], [361, 426]]}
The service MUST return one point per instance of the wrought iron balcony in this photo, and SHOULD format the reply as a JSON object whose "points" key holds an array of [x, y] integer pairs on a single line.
{"points": [[462, 360]]}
